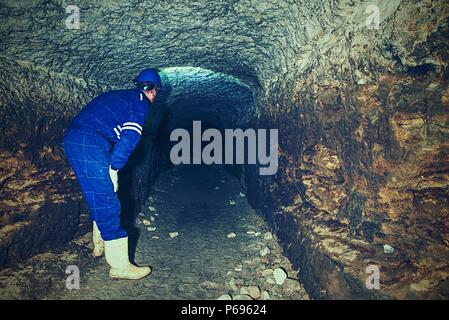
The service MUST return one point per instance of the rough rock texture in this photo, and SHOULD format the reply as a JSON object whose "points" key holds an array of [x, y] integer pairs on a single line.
{"points": [[364, 158], [362, 115], [37, 214], [40, 201]]}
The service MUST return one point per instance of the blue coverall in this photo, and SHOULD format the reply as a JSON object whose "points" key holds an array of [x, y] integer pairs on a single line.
{"points": [[103, 134]]}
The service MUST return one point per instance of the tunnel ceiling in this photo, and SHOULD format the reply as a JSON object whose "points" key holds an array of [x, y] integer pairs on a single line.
{"points": [[265, 44], [117, 38], [259, 42]]}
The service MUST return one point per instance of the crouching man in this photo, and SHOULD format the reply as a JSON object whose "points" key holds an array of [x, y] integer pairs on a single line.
{"points": [[97, 144]]}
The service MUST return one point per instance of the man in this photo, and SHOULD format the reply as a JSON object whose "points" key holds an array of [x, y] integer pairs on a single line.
{"points": [[98, 143]]}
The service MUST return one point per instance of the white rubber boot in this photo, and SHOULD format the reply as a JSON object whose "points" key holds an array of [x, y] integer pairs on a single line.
{"points": [[98, 242], [117, 257]]}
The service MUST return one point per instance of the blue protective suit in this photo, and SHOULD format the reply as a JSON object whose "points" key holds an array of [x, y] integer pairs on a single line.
{"points": [[104, 133]]}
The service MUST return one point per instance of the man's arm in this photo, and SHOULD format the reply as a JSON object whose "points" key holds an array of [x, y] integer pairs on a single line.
{"points": [[129, 137]]}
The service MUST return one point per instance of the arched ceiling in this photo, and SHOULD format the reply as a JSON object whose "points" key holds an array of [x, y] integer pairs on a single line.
{"points": [[251, 40]]}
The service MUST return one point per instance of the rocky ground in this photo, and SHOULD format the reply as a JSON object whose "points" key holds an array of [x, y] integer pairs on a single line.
{"points": [[198, 233]]}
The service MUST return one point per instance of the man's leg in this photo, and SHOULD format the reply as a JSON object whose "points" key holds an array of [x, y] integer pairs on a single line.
{"points": [[73, 149], [91, 165], [108, 221]]}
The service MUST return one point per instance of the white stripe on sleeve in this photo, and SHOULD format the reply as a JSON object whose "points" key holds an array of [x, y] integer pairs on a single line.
{"points": [[132, 128], [133, 124], [117, 133]]}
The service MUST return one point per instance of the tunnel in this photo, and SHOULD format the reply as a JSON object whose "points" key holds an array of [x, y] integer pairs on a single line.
{"points": [[357, 91]]}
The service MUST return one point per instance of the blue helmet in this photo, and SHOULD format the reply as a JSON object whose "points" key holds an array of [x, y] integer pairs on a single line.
{"points": [[148, 76]]}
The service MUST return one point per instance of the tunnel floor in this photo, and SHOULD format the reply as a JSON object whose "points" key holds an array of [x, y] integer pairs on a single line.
{"points": [[185, 235]]}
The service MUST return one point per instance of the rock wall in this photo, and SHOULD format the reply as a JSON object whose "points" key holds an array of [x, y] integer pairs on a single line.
{"points": [[41, 204], [364, 158]]}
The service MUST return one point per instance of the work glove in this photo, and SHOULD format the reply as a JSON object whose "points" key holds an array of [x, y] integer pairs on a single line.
{"points": [[114, 178]]}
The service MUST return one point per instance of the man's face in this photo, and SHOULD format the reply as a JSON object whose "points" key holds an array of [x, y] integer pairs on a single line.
{"points": [[151, 94]]}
